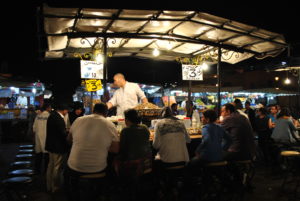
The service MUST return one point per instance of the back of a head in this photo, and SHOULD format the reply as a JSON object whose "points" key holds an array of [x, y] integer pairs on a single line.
{"points": [[230, 107], [262, 110], [166, 113], [77, 105], [46, 106], [238, 104], [100, 108], [173, 105], [284, 112], [62, 106], [211, 115], [247, 103], [132, 116]]}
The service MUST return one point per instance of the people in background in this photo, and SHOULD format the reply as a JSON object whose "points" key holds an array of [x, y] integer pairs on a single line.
{"points": [[272, 116], [22, 101], [127, 96], [57, 146], [263, 133], [40, 129], [251, 113], [240, 130], [174, 109], [239, 107], [284, 130], [77, 111]]}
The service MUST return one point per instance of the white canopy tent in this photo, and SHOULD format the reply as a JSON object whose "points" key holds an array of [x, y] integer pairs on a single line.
{"points": [[176, 34], [138, 32]]}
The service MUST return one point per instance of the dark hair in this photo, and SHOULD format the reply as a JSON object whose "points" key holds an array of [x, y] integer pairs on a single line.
{"points": [[166, 113], [62, 106], [238, 104], [45, 106], [230, 107], [173, 105], [77, 105], [247, 103], [132, 116], [237, 101], [100, 108], [284, 112], [211, 115], [262, 110]]}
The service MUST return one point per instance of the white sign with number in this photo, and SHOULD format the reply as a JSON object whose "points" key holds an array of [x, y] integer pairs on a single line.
{"points": [[192, 72], [91, 69]]}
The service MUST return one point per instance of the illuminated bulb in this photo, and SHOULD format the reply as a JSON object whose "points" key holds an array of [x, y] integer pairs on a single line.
{"points": [[34, 90], [156, 52], [99, 58], [169, 46], [277, 88], [204, 66], [276, 78], [155, 23], [287, 81], [166, 23], [217, 85]]}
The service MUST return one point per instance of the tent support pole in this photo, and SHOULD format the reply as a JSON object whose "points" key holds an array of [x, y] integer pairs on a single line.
{"points": [[219, 80], [105, 68]]}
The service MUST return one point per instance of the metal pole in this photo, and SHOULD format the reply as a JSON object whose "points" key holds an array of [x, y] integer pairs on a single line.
{"points": [[91, 104], [105, 66], [189, 90], [219, 80], [188, 104]]}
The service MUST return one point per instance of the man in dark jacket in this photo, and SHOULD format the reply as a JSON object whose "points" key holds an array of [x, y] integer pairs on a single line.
{"points": [[57, 146], [240, 130]]}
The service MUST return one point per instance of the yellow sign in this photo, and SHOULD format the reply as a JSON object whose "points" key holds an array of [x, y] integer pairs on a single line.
{"points": [[93, 85]]}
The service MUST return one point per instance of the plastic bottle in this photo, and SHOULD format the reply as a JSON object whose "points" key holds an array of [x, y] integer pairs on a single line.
{"points": [[121, 125]]}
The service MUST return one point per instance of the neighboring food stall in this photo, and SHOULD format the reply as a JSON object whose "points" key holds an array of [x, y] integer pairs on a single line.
{"points": [[16, 99]]}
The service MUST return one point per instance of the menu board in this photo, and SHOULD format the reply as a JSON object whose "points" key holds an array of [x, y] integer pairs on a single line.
{"points": [[91, 69]]}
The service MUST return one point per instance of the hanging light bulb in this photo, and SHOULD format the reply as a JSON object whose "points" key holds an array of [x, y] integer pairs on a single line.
{"points": [[204, 66], [169, 46], [99, 58], [287, 81], [155, 52]]}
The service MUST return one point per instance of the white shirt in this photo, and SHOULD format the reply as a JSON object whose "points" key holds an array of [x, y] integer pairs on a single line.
{"points": [[22, 101], [40, 129], [170, 138], [92, 138], [127, 97]]}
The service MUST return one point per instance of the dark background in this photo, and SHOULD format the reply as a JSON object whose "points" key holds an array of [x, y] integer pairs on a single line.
{"points": [[20, 56]]}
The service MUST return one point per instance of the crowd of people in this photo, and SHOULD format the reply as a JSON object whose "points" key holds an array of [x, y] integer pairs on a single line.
{"points": [[88, 148]]}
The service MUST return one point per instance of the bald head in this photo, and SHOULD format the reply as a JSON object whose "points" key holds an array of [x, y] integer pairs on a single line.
{"points": [[119, 80]]}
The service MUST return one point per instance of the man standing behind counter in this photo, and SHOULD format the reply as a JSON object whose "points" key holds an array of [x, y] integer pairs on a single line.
{"points": [[126, 97]]}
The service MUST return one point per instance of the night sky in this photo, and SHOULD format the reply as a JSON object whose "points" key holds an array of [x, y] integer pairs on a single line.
{"points": [[20, 47]]}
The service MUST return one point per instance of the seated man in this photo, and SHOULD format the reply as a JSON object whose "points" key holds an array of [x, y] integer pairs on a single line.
{"points": [[170, 138], [214, 140], [92, 136], [240, 130], [135, 154]]}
